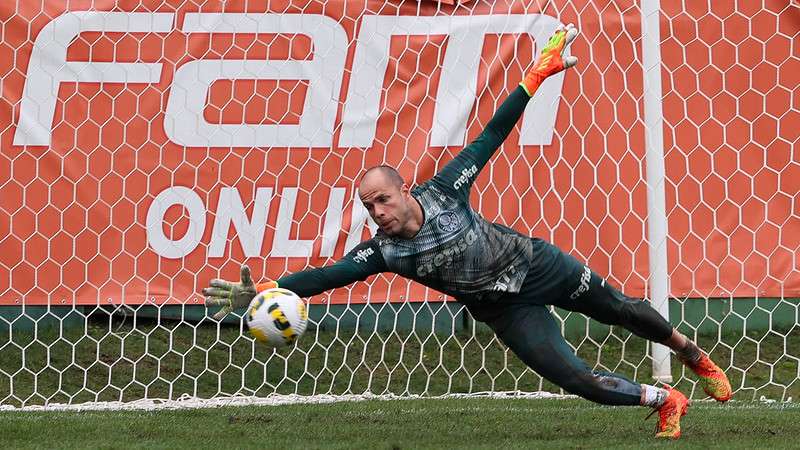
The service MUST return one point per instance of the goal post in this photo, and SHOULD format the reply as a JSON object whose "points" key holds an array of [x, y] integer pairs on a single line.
{"points": [[149, 147], [656, 204]]}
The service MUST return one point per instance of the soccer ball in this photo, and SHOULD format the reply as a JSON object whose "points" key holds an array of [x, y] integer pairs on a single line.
{"points": [[277, 317]]}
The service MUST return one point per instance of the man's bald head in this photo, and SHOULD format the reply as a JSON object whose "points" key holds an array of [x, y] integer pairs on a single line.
{"points": [[383, 173], [388, 201]]}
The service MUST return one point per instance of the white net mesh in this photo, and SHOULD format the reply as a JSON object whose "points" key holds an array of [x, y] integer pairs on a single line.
{"points": [[157, 145]]}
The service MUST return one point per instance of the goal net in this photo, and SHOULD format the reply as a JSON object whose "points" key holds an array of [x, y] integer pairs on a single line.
{"points": [[149, 146]]}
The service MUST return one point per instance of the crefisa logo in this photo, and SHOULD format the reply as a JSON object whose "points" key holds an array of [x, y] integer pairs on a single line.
{"points": [[362, 255]]}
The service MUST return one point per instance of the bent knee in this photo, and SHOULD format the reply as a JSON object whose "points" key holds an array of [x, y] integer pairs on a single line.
{"points": [[644, 321]]}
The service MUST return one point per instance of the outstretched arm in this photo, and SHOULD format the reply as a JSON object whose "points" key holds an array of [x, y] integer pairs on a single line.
{"points": [[364, 260], [460, 173]]}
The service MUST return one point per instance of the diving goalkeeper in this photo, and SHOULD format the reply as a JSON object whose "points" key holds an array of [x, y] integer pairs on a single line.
{"points": [[430, 234]]}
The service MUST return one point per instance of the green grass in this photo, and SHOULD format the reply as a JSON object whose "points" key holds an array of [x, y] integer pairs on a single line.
{"points": [[419, 424], [112, 360]]}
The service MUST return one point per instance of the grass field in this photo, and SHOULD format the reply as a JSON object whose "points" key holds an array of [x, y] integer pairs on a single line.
{"points": [[431, 423], [111, 360], [124, 361]]}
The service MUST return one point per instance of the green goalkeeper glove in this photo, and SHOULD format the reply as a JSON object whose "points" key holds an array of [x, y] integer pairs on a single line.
{"points": [[551, 61], [231, 295]]}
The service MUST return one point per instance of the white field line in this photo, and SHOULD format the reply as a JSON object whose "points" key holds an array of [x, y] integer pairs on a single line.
{"points": [[188, 402]]}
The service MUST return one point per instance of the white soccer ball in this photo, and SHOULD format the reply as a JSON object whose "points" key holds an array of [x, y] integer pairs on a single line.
{"points": [[277, 317]]}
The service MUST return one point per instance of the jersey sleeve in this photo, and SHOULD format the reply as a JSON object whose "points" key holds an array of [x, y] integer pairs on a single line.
{"points": [[459, 174], [364, 260]]}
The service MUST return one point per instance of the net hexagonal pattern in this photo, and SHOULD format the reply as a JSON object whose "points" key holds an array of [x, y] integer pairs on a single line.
{"points": [[150, 146]]}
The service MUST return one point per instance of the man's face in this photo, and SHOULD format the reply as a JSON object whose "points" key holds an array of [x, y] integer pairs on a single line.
{"points": [[386, 202]]}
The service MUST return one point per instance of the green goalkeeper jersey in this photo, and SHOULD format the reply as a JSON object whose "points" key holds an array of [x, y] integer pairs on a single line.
{"points": [[456, 251]]}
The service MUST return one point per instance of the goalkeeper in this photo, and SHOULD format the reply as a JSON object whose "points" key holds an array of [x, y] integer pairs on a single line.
{"points": [[430, 234]]}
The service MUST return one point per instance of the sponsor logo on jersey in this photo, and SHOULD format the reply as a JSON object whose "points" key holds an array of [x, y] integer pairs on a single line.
{"points": [[501, 285], [466, 175], [363, 254], [448, 221], [446, 256], [586, 275]]}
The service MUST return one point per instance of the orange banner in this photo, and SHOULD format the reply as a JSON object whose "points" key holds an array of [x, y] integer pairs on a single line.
{"points": [[732, 124], [154, 145]]}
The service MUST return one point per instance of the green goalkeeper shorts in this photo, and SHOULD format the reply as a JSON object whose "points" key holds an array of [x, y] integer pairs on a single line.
{"points": [[523, 322], [560, 280]]}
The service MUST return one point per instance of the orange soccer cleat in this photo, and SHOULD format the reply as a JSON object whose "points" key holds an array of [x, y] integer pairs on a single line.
{"points": [[713, 380], [670, 413]]}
